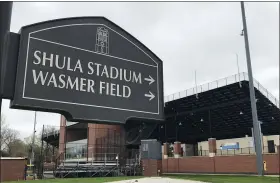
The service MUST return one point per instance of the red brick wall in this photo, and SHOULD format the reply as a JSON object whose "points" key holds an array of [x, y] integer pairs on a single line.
{"points": [[62, 138], [170, 165], [272, 163], [195, 165], [191, 164], [98, 131], [220, 164], [238, 164], [12, 169], [151, 167]]}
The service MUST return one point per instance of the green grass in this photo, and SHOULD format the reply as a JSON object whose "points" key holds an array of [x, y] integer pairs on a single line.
{"points": [[78, 180], [205, 178], [227, 178]]}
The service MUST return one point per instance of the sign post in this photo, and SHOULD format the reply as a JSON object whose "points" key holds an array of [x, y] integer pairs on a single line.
{"points": [[5, 21], [88, 69]]}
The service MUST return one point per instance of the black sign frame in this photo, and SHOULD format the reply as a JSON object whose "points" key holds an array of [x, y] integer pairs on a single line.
{"points": [[71, 112]]}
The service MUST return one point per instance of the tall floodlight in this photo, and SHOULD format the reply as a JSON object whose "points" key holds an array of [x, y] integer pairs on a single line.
{"points": [[256, 124]]}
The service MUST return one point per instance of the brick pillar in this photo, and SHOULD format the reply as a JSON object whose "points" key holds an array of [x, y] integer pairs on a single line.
{"points": [[165, 150], [91, 142], [177, 149], [212, 147], [152, 167], [62, 137]]}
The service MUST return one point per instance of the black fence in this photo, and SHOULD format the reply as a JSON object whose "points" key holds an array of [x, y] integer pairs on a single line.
{"points": [[237, 151]]}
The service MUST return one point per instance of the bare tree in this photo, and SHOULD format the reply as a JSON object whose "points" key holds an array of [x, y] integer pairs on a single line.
{"points": [[7, 135], [4, 129], [17, 148], [50, 130], [47, 150]]}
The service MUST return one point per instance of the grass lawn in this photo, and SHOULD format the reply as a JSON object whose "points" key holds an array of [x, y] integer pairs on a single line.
{"points": [[78, 180], [206, 178], [228, 178]]}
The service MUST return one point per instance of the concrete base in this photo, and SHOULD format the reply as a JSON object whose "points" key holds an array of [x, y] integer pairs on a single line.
{"points": [[211, 155], [177, 156], [165, 156]]}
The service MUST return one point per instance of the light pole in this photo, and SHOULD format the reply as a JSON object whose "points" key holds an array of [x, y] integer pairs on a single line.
{"points": [[33, 137], [256, 124], [237, 63], [195, 84]]}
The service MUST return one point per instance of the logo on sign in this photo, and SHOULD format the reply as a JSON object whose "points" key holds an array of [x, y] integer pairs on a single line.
{"points": [[102, 41]]}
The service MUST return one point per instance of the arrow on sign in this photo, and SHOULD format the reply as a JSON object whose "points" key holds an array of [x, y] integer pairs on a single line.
{"points": [[151, 95], [150, 79]]}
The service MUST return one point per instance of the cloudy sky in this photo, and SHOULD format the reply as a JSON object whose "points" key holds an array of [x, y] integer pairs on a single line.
{"points": [[187, 36]]}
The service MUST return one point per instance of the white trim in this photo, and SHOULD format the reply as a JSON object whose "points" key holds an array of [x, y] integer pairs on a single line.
{"points": [[26, 61], [13, 158], [77, 48], [88, 105], [158, 90], [70, 123]]}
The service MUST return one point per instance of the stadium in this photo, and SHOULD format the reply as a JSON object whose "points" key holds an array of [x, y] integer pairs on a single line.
{"points": [[207, 128]]}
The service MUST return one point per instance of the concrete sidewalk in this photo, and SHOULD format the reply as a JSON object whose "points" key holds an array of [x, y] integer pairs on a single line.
{"points": [[218, 174], [157, 180]]}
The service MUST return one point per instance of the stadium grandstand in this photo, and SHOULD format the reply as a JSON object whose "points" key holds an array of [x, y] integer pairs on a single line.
{"points": [[220, 109]]}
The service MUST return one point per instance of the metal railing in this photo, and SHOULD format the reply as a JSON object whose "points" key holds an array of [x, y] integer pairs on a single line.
{"points": [[238, 151], [92, 157], [220, 83], [225, 152], [97, 164]]}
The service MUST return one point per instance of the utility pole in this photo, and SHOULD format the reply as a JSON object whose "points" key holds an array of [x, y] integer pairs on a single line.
{"points": [[33, 138], [41, 154], [256, 123]]}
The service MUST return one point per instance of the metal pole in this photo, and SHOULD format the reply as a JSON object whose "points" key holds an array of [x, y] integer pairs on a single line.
{"points": [[5, 21], [238, 69], [33, 138], [32, 159], [253, 139], [42, 159], [195, 83], [256, 125]]}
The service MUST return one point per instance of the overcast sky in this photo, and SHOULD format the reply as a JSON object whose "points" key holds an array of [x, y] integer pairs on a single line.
{"points": [[187, 36]]}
